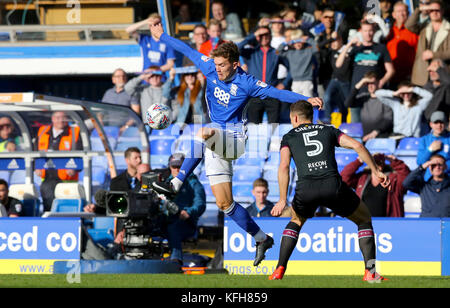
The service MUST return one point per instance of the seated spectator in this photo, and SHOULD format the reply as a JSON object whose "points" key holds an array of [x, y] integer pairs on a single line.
{"points": [[300, 53], [401, 44], [117, 94], [151, 92], [8, 142], [200, 36], [231, 23], [376, 117], [58, 136], [263, 64], [436, 142], [439, 85], [214, 34], [186, 99], [154, 52], [434, 43], [191, 202], [9, 206], [338, 88], [261, 207], [382, 202], [407, 103], [435, 192]]}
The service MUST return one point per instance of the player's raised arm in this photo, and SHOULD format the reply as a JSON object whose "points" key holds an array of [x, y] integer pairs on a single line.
{"points": [[201, 61], [350, 143]]}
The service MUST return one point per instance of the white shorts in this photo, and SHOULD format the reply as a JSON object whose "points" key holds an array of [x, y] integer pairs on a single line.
{"points": [[221, 149]]}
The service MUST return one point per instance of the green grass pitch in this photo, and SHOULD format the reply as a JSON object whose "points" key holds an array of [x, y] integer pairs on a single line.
{"points": [[214, 281]]}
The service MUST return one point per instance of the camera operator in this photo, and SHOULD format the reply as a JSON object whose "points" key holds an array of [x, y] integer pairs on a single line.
{"points": [[191, 201]]}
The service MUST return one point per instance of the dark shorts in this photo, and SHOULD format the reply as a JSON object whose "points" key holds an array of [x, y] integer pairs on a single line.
{"points": [[332, 193]]}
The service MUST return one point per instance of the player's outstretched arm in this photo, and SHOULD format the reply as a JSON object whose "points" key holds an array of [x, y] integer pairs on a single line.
{"points": [[283, 181], [350, 143]]}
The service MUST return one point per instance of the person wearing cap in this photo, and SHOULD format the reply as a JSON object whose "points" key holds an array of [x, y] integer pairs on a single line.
{"points": [[435, 142], [151, 91], [187, 99], [191, 201]]}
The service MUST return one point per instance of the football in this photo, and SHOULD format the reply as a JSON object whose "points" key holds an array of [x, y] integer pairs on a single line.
{"points": [[158, 116]]}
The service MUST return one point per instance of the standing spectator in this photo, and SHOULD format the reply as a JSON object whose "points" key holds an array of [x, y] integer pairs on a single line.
{"points": [[8, 142], [263, 63], [200, 36], [436, 142], [300, 53], [58, 136], [381, 202], [408, 110], [186, 99], [261, 207], [376, 118], [128, 180], [214, 33], [154, 52], [401, 44], [386, 12], [434, 43], [435, 192], [380, 29], [9, 206], [231, 23], [339, 86], [191, 202], [369, 56], [438, 84], [420, 18], [150, 92]]}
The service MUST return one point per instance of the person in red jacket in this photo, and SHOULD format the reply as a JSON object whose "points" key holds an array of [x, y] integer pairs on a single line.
{"points": [[381, 202]]}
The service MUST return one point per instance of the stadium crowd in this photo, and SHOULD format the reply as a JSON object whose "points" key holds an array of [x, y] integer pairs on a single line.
{"points": [[390, 72]]}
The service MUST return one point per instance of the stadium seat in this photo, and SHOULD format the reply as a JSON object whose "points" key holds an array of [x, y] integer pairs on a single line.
{"points": [[131, 131], [352, 129], [110, 131], [4, 174], [124, 145], [119, 160], [28, 195], [208, 192], [210, 218], [161, 146], [273, 158], [159, 161], [245, 160], [342, 159], [407, 147], [274, 191], [17, 177], [381, 145], [102, 231], [172, 131], [242, 192], [410, 161], [245, 174], [69, 197], [413, 207]]}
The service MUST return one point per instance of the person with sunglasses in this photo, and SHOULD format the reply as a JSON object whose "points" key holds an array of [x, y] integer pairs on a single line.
{"points": [[435, 192]]}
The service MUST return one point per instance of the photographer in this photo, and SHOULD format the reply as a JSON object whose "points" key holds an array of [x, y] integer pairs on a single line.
{"points": [[191, 201]]}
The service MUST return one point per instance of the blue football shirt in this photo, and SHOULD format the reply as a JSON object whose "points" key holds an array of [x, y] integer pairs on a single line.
{"points": [[154, 52]]}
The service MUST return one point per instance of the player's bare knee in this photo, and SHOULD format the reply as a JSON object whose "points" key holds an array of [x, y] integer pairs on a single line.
{"points": [[223, 205]]}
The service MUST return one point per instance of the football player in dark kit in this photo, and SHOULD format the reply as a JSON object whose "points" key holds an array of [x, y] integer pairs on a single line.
{"points": [[312, 147]]}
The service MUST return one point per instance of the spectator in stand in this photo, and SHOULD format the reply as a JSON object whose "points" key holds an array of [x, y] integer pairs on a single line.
{"points": [[339, 86], [8, 142], [200, 36], [150, 92], [386, 12], [408, 104], [401, 44], [9, 206], [436, 142], [380, 29], [58, 136], [184, 14], [154, 52], [438, 84], [128, 180], [263, 63], [214, 33], [435, 192], [117, 94], [366, 56], [261, 207], [376, 118], [382, 202], [420, 18], [300, 53], [434, 43], [186, 99], [231, 23]]}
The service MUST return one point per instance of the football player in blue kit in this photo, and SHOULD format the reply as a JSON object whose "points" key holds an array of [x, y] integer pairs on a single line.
{"points": [[227, 92]]}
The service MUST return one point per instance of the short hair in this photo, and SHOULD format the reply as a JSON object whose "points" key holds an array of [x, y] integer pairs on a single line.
{"points": [[438, 156], [263, 27], [130, 150], [227, 50], [441, 3], [3, 182], [155, 15], [371, 74], [400, 3], [214, 22], [260, 182], [199, 26], [303, 109], [365, 22]]}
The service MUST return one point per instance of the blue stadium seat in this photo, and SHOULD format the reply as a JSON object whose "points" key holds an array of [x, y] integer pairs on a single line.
{"points": [[273, 158], [161, 146], [242, 192], [407, 147], [131, 131], [17, 177], [342, 159], [249, 161], [274, 191], [159, 161], [69, 197], [281, 129], [110, 131], [4, 174], [208, 192], [172, 131], [410, 161], [102, 231], [124, 145], [210, 218], [352, 129], [28, 195], [98, 176], [245, 174], [381, 145], [120, 162]]}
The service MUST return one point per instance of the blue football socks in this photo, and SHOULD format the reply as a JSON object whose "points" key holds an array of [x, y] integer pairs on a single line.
{"points": [[192, 159], [240, 215]]}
